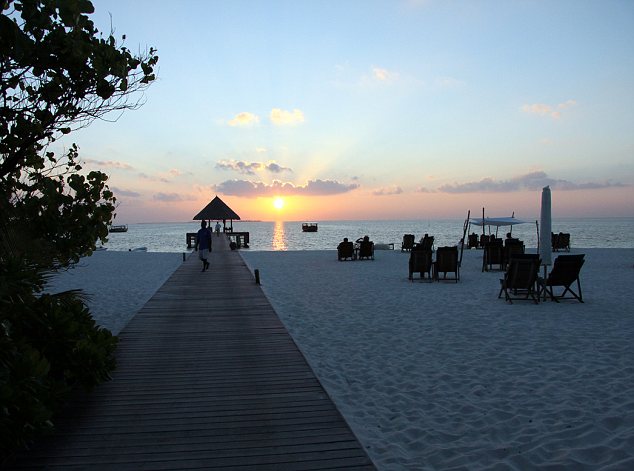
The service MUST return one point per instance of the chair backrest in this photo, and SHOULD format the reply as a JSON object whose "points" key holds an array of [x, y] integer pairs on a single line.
{"points": [[565, 270], [366, 248], [564, 240], [420, 261], [408, 241], [522, 272], [447, 259], [427, 243], [493, 252], [510, 250], [473, 240], [345, 249]]}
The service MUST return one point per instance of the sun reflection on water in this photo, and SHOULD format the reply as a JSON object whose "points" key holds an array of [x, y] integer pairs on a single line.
{"points": [[279, 237]]}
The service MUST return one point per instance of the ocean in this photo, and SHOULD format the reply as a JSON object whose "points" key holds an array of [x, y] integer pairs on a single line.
{"points": [[288, 235]]}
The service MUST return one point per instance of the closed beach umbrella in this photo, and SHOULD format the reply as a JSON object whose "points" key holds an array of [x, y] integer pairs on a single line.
{"points": [[545, 244]]}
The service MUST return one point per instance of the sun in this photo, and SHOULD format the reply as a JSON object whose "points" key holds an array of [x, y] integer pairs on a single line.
{"points": [[278, 203]]}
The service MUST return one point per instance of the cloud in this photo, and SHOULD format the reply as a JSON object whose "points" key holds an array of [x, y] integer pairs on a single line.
{"points": [[244, 119], [240, 166], [274, 167], [548, 110], [395, 190], [448, 83], [172, 197], [255, 189], [249, 168], [425, 190], [128, 193], [531, 181], [151, 178], [109, 164], [175, 172], [384, 75], [286, 118]]}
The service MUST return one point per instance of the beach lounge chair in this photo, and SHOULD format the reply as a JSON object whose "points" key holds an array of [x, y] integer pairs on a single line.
{"points": [[520, 279], [560, 241], [345, 251], [420, 261], [447, 262], [408, 242], [493, 256], [472, 241], [565, 272], [366, 250], [512, 247], [427, 243]]}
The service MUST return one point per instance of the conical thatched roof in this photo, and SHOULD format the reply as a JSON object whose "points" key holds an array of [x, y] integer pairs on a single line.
{"points": [[216, 209]]}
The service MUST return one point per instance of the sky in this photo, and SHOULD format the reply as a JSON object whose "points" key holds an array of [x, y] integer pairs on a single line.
{"points": [[372, 110]]}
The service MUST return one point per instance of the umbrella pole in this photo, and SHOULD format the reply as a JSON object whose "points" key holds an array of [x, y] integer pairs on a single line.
{"points": [[538, 239], [464, 235], [483, 229]]}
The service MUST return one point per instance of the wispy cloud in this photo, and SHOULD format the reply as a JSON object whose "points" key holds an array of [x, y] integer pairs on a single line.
{"points": [[249, 168], [244, 119], [531, 181], [255, 189], [274, 167], [240, 166], [383, 75], [281, 117], [122, 192], [394, 190], [448, 83], [109, 164], [151, 178], [554, 111], [172, 197]]}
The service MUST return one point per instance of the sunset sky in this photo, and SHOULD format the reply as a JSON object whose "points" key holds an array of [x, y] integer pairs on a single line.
{"points": [[373, 109]]}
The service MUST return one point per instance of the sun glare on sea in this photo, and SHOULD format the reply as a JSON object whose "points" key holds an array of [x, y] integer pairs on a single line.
{"points": [[278, 203]]}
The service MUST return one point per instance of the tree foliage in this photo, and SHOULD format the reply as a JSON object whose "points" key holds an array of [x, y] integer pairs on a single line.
{"points": [[58, 73]]}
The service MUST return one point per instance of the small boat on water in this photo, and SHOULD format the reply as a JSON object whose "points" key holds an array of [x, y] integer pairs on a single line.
{"points": [[120, 228], [309, 227]]}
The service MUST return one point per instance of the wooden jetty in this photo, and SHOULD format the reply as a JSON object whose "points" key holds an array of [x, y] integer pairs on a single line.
{"points": [[207, 378]]}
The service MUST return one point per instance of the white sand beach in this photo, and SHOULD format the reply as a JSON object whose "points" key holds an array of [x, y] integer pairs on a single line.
{"points": [[439, 375], [118, 284], [447, 376]]}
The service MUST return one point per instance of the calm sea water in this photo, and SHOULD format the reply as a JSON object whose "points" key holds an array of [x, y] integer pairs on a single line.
{"points": [[170, 237]]}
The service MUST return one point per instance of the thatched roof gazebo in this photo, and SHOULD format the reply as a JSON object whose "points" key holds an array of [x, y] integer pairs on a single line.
{"points": [[217, 210]]}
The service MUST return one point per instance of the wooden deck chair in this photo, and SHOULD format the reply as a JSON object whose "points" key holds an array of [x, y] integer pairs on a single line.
{"points": [[493, 255], [472, 241], [366, 250], [510, 250], [447, 262], [345, 251], [565, 272], [408, 242], [420, 262], [427, 243], [520, 279]]}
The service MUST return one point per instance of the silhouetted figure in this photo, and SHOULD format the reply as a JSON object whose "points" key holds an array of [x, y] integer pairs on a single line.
{"points": [[203, 244]]}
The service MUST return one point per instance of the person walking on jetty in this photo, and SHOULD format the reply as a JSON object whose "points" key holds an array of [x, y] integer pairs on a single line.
{"points": [[203, 244], [218, 229]]}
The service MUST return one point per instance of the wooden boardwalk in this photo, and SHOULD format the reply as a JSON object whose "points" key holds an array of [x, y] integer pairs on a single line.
{"points": [[207, 378]]}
